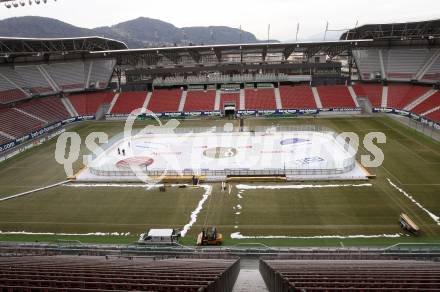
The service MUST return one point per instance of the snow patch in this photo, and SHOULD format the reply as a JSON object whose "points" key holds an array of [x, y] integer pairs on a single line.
{"points": [[238, 235], [237, 213], [239, 196], [277, 187], [239, 207], [430, 214], [195, 213]]}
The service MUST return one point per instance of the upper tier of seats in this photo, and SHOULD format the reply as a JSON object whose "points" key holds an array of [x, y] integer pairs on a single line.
{"points": [[200, 101], [68, 76], [88, 104], [372, 91], [129, 101], [164, 100], [261, 99], [355, 275], [117, 274], [400, 95], [297, 97], [335, 96], [397, 64], [49, 109]]}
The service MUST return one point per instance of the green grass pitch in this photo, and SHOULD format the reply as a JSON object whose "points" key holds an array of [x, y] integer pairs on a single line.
{"points": [[412, 162]]}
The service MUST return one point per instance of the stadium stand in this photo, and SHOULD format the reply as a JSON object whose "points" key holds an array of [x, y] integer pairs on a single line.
{"points": [[165, 100], [200, 101], [34, 79], [354, 275], [129, 101], [372, 91], [433, 73], [68, 76], [403, 64], [88, 104], [9, 92], [297, 97], [368, 62], [400, 95], [230, 98], [335, 96], [16, 124], [434, 116], [432, 102], [261, 99], [50, 109], [101, 73], [117, 274]]}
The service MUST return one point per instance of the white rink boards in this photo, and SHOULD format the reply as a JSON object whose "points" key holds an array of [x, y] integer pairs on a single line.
{"points": [[222, 154]]}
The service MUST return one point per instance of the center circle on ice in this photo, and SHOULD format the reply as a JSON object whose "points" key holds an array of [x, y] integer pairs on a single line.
{"points": [[220, 152], [140, 161]]}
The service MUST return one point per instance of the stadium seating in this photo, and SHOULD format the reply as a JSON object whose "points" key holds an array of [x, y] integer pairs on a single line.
{"points": [[432, 102], [400, 95], [16, 124], [68, 76], [164, 100], [433, 74], [261, 99], [88, 104], [434, 116], [368, 62], [11, 95], [403, 64], [354, 275], [117, 274], [101, 72], [335, 96], [297, 97], [34, 79], [372, 91], [129, 101], [50, 109], [230, 98], [200, 101]]}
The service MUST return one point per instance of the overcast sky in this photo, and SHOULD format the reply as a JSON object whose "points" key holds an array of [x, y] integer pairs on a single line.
{"points": [[252, 15]]}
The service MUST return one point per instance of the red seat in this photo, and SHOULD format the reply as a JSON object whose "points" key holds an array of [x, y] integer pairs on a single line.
{"points": [[200, 101], [335, 96], [297, 97], [260, 99], [432, 102], [372, 91], [165, 100], [129, 101], [88, 104]]}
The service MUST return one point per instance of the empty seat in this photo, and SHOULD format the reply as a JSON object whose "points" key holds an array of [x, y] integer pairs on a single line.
{"points": [[230, 98], [165, 100], [297, 97], [335, 96], [50, 109], [260, 99], [372, 91], [432, 102], [200, 101], [129, 101], [88, 104]]}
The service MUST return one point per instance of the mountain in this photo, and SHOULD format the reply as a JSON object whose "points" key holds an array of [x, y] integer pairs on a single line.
{"points": [[136, 33]]}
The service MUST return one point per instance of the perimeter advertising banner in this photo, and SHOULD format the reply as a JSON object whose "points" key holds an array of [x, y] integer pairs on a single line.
{"points": [[42, 131]]}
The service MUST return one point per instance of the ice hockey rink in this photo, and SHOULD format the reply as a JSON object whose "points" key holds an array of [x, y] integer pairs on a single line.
{"points": [[295, 154]]}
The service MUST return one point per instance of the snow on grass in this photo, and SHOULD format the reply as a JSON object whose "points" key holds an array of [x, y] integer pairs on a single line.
{"points": [[195, 213], [430, 214], [308, 186], [238, 235]]}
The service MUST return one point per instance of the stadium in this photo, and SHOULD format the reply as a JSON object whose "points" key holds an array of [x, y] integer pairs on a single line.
{"points": [[274, 144]]}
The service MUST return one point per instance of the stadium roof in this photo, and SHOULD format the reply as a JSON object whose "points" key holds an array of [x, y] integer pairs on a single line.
{"points": [[332, 48], [25, 46], [402, 31]]}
